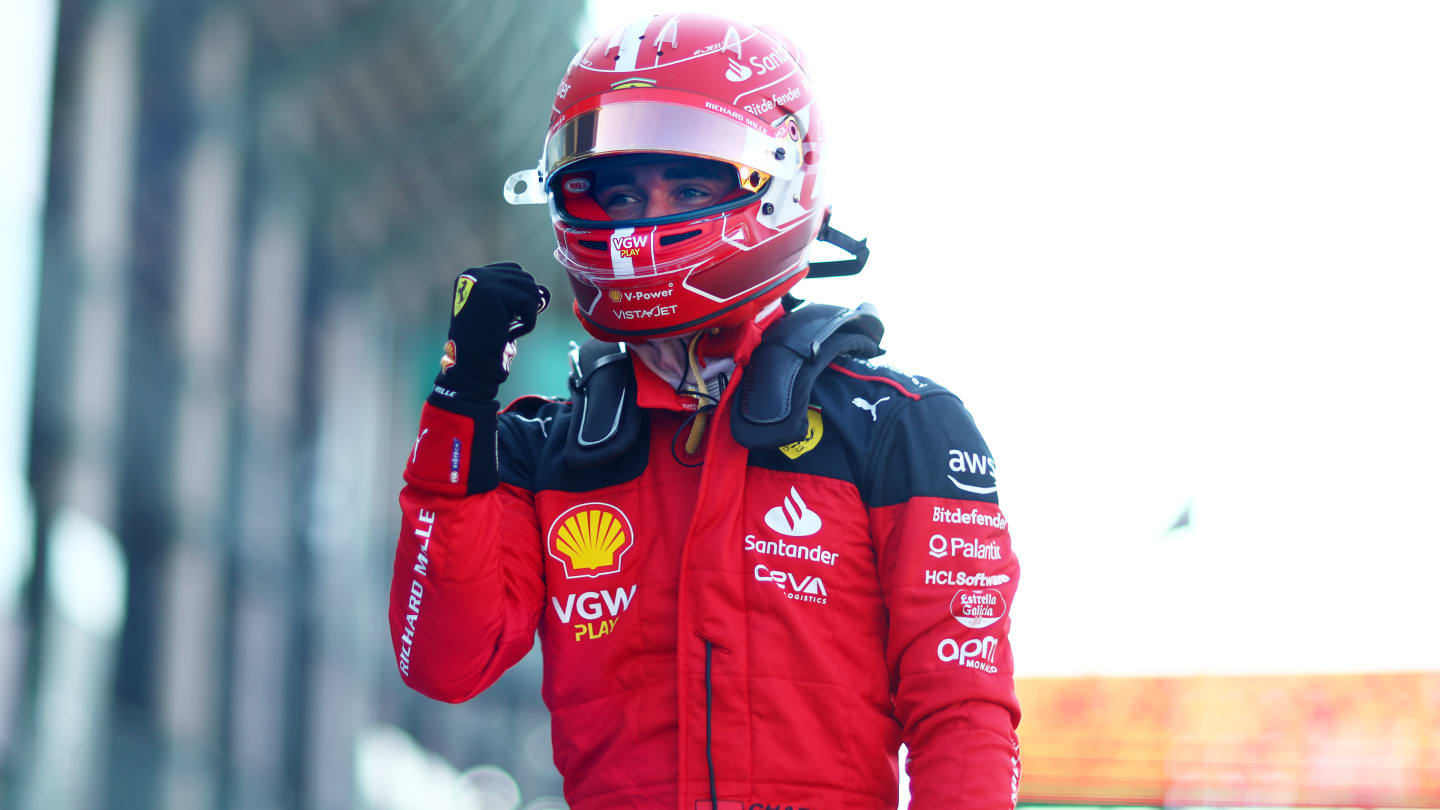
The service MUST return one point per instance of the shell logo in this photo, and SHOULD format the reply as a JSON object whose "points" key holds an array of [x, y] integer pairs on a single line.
{"points": [[590, 540]]}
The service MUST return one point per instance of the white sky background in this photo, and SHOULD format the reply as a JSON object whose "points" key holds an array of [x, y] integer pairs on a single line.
{"points": [[1167, 253]]}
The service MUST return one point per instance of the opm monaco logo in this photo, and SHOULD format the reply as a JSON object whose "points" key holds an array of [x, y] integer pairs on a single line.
{"points": [[975, 653], [629, 246]]}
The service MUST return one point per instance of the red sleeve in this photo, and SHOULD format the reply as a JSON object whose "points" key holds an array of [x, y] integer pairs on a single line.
{"points": [[468, 587], [949, 577]]}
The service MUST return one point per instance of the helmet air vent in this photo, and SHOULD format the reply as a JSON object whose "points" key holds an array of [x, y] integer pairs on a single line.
{"points": [[670, 239]]}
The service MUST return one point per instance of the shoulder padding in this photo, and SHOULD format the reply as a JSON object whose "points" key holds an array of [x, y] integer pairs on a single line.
{"points": [[782, 370], [775, 387], [605, 420]]}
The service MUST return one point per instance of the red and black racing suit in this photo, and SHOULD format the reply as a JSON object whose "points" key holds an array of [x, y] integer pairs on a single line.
{"points": [[778, 620]]}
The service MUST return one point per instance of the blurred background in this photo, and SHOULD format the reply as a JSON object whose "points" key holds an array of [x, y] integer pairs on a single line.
{"points": [[1179, 259]]}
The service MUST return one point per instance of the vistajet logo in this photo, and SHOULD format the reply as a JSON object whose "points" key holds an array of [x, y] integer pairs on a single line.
{"points": [[656, 311]]}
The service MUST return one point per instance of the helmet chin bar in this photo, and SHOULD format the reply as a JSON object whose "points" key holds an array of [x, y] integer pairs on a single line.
{"points": [[613, 333]]}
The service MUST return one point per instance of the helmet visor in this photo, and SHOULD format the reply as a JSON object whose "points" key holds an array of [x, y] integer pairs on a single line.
{"points": [[673, 128], [615, 191]]}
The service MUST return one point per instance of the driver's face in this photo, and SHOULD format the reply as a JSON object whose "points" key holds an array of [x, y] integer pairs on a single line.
{"points": [[662, 187]]}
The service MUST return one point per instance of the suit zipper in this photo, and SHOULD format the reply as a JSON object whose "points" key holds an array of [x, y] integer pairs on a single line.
{"points": [[709, 710]]}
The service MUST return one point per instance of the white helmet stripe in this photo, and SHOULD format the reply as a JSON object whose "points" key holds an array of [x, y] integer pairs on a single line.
{"points": [[622, 265], [630, 42]]}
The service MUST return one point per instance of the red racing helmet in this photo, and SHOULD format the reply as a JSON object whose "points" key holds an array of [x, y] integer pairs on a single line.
{"points": [[674, 87]]}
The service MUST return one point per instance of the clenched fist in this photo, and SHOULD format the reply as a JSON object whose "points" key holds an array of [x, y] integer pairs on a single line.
{"points": [[491, 307]]}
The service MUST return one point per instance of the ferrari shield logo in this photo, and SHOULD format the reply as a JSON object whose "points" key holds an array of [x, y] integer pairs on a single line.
{"points": [[463, 285], [814, 429]]}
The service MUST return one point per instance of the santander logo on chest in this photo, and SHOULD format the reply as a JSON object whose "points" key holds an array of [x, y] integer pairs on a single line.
{"points": [[793, 517]]}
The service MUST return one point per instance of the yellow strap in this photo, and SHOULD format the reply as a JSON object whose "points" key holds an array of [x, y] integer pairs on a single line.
{"points": [[697, 428]]}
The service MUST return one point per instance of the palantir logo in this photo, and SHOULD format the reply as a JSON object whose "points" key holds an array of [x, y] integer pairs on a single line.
{"points": [[793, 518], [737, 71]]}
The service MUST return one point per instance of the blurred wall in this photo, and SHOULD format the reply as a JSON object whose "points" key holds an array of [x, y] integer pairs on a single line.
{"points": [[254, 211]]}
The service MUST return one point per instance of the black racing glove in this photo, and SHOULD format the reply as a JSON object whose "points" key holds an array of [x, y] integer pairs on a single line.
{"points": [[491, 307]]}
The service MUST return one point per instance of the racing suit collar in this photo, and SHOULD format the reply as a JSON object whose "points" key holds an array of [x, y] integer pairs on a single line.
{"points": [[663, 376]]}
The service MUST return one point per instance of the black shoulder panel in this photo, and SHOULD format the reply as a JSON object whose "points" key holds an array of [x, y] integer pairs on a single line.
{"points": [[893, 435], [929, 447], [525, 429], [533, 435]]}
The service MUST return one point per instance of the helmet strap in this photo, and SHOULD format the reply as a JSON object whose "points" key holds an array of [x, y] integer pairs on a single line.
{"points": [[840, 267]]}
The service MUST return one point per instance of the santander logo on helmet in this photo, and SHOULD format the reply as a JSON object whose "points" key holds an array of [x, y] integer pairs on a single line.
{"points": [[683, 87]]}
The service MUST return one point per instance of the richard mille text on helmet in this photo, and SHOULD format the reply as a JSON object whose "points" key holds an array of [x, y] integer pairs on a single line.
{"points": [[756, 561]]}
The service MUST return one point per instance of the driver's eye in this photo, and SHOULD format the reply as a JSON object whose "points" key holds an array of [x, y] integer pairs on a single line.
{"points": [[620, 201]]}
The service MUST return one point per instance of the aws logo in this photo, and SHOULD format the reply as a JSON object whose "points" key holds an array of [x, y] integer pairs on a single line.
{"points": [[590, 540]]}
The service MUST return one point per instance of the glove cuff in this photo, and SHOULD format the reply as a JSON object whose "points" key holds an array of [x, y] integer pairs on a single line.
{"points": [[456, 452], [463, 394]]}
